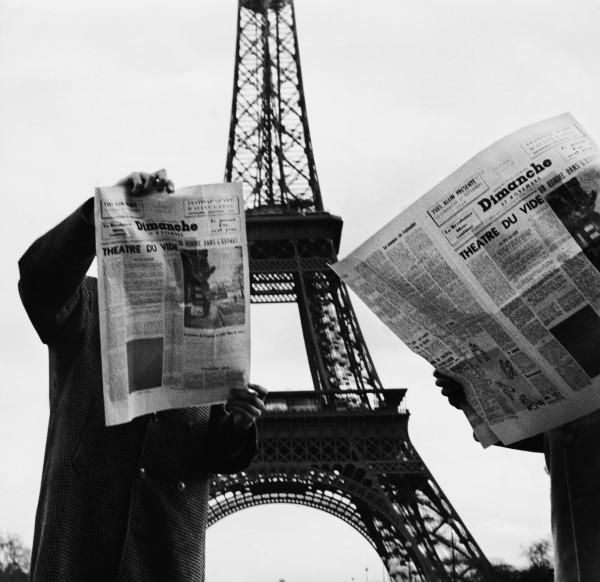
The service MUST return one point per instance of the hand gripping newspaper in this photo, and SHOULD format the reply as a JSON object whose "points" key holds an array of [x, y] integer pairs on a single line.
{"points": [[173, 291], [493, 277]]}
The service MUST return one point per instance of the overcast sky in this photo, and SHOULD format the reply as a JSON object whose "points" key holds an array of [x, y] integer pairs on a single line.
{"points": [[399, 94]]}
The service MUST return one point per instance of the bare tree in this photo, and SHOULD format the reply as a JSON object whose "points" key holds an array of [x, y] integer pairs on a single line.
{"points": [[539, 555], [540, 568], [14, 558]]}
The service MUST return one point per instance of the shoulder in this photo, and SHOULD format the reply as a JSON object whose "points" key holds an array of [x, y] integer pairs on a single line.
{"points": [[90, 286]]}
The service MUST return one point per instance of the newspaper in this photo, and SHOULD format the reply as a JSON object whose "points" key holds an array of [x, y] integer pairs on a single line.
{"points": [[173, 291], [493, 277]]}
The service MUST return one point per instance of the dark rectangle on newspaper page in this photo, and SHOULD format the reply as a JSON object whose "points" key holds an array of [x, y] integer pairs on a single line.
{"points": [[577, 204], [145, 363], [580, 336]]}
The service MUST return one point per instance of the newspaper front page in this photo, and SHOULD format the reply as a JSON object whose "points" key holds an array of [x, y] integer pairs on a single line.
{"points": [[493, 277], [173, 289]]}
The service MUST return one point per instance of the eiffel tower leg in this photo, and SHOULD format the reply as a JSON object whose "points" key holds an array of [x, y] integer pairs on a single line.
{"points": [[321, 373], [380, 533], [337, 352], [364, 373]]}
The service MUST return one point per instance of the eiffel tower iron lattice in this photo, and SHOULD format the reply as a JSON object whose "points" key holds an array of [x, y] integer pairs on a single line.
{"points": [[343, 447]]}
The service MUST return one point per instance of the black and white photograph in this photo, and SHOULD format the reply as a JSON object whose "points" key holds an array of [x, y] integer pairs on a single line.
{"points": [[213, 283], [346, 457]]}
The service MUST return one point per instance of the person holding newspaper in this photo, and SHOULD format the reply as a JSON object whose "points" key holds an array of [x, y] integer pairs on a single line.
{"points": [[572, 455], [127, 502]]}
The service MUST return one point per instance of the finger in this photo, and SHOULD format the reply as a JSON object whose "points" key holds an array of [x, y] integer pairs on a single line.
{"points": [[255, 402], [252, 403], [161, 174], [443, 382], [252, 393], [126, 181], [147, 182], [248, 393], [260, 390], [440, 375], [134, 183], [456, 402], [452, 392], [455, 397], [244, 408], [159, 180]]}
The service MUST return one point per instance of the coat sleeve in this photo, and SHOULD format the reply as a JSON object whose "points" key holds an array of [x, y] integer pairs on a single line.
{"points": [[229, 450], [534, 444], [52, 272]]}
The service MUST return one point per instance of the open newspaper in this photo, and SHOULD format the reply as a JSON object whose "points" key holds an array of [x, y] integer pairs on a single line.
{"points": [[173, 292], [493, 277]]}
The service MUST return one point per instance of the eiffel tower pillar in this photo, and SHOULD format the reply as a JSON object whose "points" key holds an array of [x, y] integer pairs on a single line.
{"points": [[342, 447]]}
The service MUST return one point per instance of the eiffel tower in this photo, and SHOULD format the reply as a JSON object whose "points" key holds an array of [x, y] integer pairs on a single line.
{"points": [[343, 447]]}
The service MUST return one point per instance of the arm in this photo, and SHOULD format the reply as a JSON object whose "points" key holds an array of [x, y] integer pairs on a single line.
{"points": [[229, 449], [534, 444], [53, 269], [52, 272], [232, 430], [455, 394]]}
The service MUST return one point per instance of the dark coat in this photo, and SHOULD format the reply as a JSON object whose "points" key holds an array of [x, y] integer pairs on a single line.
{"points": [[573, 461], [120, 503]]}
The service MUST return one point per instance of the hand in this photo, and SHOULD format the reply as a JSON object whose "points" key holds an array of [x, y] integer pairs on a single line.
{"points": [[246, 405], [142, 183], [453, 390]]}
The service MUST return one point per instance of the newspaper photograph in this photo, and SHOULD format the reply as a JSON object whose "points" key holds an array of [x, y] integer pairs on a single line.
{"points": [[174, 299], [493, 277]]}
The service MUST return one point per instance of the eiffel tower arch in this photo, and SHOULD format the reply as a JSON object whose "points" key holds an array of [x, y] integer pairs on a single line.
{"points": [[342, 447]]}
